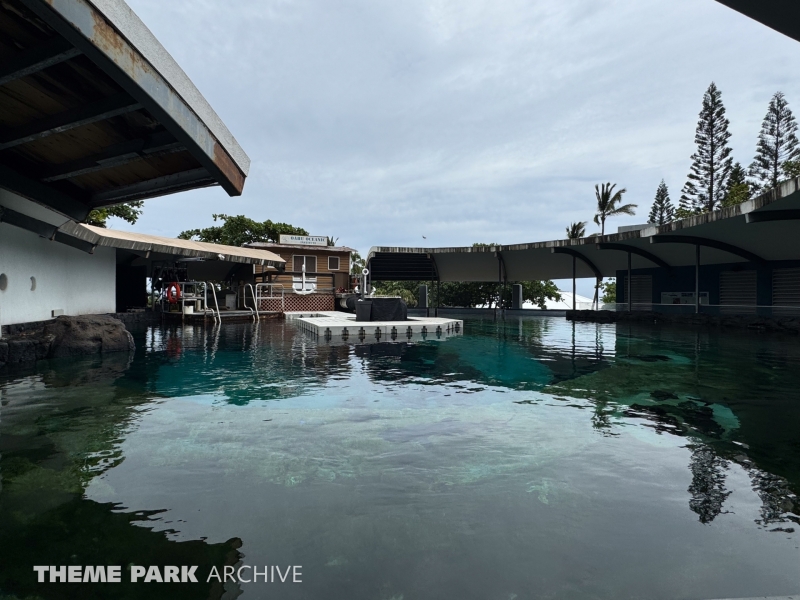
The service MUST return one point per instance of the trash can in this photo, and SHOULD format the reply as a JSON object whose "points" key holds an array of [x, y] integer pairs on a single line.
{"points": [[363, 310]]}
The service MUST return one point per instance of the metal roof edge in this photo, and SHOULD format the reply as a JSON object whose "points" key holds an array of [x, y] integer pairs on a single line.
{"points": [[130, 26], [784, 190], [127, 240]]}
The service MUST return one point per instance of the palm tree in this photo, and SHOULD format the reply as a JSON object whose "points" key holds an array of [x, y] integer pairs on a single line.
{"points": [[607, 204], [576, 230]]}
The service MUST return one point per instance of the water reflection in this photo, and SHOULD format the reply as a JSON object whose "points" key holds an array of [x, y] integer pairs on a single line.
{"points": [[61, 428], [501, 456]]}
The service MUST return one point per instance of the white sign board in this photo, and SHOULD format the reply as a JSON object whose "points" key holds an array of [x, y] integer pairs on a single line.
{"points": [[304, 240]]}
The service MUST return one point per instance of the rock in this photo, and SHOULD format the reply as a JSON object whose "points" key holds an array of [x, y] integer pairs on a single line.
{"points": [[22, 351], [87, 334]]}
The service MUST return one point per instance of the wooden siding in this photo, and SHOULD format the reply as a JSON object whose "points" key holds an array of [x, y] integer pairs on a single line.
{"points": [[341, 276]]}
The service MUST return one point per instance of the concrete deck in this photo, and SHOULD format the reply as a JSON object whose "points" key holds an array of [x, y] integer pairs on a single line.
{"points": [[340, 326]]}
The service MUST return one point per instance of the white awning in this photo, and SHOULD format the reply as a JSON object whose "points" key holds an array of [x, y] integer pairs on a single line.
{"points": [[143, 243]]}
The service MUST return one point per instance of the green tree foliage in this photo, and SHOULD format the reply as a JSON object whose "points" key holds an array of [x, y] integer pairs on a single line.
{"points": [[407, 290], [535, 292], [777, 143], [575, 231], [130, 212], [609, 204], [469, 294], [609, 291], [663, 211], [738, 188], [357, 264], [791, 168], [711, 163], [493, 295], [239, 230]]}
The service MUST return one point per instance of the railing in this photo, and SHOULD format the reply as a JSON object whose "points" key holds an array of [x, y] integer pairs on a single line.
{"points": [[217, 316], [255, 302], [189, 295], [315, 290], [260, 295]]}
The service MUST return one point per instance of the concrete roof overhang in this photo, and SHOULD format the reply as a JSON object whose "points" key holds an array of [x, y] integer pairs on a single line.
{"points": [[780, 15], [95, 112], [761, 230]]}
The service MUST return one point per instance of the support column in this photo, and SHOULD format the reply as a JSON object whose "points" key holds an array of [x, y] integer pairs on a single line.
{"points": [[428, 311], [438, 296], [422, 296], [516, 296], [573, 283], [629, 297], [697, 278]]}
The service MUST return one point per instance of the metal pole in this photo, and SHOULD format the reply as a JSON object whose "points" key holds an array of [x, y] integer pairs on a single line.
{"points": [[697, 278], [428, 304], [628, 286], [573, 282]]}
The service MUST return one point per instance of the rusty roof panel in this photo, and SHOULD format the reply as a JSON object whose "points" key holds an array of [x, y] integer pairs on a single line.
{"points": [[61, 62], [93, 31]]}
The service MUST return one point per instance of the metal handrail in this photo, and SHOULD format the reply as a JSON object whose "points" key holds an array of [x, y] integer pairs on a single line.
{"points": [[214, 293], [244, 301], [194, 296], [271, 286]]}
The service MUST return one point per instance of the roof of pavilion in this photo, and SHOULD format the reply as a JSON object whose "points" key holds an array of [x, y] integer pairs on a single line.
{"points": [[780, 15], [95, 112], [762, 230]]}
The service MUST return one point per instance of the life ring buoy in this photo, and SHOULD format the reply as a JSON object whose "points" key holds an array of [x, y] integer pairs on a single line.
{"points": [[173, 292]]}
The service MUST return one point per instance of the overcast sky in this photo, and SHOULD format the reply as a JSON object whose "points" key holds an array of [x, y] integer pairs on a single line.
{"points": [[379, 122]]}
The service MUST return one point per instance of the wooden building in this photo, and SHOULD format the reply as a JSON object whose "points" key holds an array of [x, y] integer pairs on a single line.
{"points": [[314, 274]]}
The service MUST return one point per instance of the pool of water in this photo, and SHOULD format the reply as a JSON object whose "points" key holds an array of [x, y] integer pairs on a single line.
{"points": [[529, 458]]}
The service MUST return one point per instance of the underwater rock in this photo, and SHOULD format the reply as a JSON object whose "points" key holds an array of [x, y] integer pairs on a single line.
{"points": [[651, 358], [662, 395]]}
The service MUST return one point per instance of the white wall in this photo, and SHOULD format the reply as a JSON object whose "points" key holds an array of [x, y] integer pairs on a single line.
{"points": [[66, 278]]}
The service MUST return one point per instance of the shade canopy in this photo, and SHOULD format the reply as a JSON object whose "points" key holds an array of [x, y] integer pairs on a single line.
{"points": [[780, 15], [95, 112], [150, 245], [763, 230]]}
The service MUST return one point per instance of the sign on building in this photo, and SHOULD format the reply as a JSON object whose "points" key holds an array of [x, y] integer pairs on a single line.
{"points": [[304, 240]]}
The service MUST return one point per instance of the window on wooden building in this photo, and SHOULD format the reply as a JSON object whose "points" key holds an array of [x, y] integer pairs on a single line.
{"points": [[309, 282], [310, 263], [333, 263]]}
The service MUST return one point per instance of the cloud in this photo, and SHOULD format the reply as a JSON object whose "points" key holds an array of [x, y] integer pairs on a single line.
{"points": [[379, 122]]}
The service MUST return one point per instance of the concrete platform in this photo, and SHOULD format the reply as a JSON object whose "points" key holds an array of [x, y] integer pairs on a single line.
{"points": [[336, 326]]}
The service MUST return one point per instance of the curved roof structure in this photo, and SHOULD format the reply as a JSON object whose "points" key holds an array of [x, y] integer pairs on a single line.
{"points": [[95, 112], [761, 230], [780, 15]]}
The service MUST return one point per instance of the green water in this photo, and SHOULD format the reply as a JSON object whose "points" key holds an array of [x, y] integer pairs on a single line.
{"points": [[530, 458]]}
